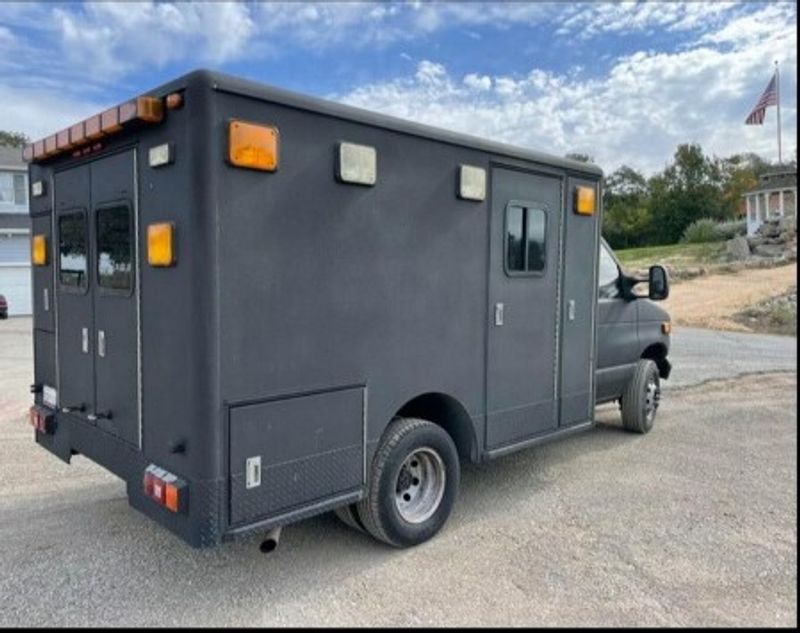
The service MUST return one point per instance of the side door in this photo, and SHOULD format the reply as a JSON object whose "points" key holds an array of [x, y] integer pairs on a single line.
{"points": [[523, 287], [115, 259]]}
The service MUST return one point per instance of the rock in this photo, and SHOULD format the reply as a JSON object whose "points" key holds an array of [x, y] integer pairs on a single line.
{"points": [[769, 228], [788, 224], [738, 247], [769, 250]]}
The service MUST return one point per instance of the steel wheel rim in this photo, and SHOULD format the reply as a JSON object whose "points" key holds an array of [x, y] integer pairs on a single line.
{"points": [[651, 399], [420, 485]]}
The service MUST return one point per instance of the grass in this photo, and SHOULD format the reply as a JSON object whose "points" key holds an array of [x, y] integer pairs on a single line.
{"points": [[675, 254]]}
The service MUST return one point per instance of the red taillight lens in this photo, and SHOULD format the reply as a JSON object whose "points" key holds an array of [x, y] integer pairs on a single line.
{"points": [[41, 419], [166, 489]]}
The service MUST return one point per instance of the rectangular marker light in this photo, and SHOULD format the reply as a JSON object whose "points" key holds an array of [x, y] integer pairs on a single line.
{"points": [[160, 155], [585, 202], [357, 164], [37, 189], [39, 250], [471, 183]]}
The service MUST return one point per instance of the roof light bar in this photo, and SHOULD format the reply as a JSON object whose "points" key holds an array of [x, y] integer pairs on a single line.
{"points": [[141, 109]]}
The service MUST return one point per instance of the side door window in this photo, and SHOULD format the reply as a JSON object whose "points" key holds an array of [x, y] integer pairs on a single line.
{"points": [[608, 275], [526, 245]]}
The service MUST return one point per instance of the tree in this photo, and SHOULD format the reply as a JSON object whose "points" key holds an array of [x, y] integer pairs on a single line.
{"points": [[626, 217], [582, 158], [687, 190], [13, 139]]}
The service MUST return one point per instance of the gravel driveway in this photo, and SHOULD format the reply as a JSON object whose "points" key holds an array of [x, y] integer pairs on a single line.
{"points": [[693, 524]]}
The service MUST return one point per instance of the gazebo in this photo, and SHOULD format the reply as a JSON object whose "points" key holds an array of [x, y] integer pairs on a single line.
{"points": [[774, 196]]}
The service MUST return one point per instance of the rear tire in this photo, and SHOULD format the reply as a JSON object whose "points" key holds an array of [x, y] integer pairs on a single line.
{"points": [[349, 516], [413, 483], [641, 398]]}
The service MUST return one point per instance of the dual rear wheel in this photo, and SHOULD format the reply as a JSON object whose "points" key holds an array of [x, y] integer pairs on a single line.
{"points": [[412, 486]]}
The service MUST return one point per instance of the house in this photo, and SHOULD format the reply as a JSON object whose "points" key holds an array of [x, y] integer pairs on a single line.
{"points": [[15, 261], [775, 195]]}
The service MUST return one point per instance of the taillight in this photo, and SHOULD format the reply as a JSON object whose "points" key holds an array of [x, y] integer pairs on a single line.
{"points": [[166, 489], [42, 420]]}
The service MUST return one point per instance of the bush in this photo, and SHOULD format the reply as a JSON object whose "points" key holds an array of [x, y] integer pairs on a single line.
{"points": [[702, 230], [732, 228]]}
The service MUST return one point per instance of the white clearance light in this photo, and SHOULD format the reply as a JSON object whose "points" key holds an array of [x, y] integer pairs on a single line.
{"points": [[37, 189], [160, 155], [472, 183], [357, 164]]}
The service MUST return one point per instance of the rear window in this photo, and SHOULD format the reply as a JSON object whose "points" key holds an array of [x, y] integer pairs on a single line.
{"points": [[114, 248], [72, 238]]}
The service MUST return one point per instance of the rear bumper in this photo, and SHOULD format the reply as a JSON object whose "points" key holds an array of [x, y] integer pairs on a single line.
{"points": [[199, 526]]}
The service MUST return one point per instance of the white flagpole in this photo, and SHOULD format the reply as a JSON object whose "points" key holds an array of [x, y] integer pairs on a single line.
{"points": [[778, 99]]}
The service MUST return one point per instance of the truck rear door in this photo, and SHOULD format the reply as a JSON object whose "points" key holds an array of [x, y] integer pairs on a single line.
{"points": [[96, 234]]}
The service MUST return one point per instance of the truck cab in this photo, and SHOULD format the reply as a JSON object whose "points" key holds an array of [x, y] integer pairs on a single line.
{"points": [[633, 339]]}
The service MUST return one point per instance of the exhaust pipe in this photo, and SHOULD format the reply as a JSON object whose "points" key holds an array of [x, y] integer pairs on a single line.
{"points": [[270, 542]]}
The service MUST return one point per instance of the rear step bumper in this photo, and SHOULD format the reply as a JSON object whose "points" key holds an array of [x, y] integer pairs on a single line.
{"points": [[200, 525]]}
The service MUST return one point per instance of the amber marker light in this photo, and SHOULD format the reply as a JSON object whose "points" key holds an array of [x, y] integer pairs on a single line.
{"points": [[39, 250], [253, 146], [160, 244], [666, 327], [585, 201]]}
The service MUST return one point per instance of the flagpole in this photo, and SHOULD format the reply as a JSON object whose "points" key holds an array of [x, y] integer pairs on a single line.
{"points": [[778, 99]]}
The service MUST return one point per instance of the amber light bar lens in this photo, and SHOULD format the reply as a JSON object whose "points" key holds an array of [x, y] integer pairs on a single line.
{"points": [[111, 121]]}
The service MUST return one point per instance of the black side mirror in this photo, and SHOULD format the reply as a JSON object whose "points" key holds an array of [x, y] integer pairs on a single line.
{"points": [[658, 283]]}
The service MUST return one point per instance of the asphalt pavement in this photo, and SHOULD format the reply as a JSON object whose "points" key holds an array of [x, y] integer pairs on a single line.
{"points": [[692, 524]]}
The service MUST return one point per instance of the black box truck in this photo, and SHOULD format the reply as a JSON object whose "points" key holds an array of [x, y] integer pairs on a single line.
{"points": [[255, 306]]}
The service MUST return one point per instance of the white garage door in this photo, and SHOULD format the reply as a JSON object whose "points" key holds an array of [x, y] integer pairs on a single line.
{"points": [[15, 273], [15, 284]]}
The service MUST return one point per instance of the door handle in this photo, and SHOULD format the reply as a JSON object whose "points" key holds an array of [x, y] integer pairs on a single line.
{"points": [[101, 343], [100, 415], [85, 340], [499, 313], [571, 310]]}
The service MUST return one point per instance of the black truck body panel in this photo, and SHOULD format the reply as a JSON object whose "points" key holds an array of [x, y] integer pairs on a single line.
{"points": [[304, 313]]}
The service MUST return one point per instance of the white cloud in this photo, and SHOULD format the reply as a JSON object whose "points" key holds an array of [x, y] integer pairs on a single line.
{"points": [[478, 82], [636, 114]]}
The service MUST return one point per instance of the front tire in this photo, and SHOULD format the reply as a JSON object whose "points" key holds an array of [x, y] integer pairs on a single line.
{"points": [[413, 483], [641, 398]]}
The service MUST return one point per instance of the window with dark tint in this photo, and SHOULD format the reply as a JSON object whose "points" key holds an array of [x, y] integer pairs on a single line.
{"points": [[607, 275], [525, 239], [515, 228], [72, 249], [114, 248]]}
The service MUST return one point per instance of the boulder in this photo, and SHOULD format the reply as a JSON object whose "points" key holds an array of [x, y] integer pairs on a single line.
{"points": [[788, 224], [769, 250], [738, 247]]}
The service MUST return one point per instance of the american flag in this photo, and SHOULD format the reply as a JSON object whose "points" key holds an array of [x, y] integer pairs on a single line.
{"points": [[770, 97]]}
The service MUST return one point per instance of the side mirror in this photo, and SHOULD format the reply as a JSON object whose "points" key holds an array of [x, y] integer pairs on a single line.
{"points": [[658, 283]]}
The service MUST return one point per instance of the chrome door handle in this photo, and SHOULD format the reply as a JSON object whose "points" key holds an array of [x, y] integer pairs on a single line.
{"points": [[85, 340], [499, 313], [101, 343], [571, 310]]}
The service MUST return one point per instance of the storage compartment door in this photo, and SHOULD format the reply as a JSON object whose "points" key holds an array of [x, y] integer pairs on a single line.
{"points": [[294, 452]]}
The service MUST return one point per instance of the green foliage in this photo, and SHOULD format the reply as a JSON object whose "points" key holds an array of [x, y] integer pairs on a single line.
{"points": [[582, 158], [701, 231], [13, 139], [659, 210], [731, 228]]}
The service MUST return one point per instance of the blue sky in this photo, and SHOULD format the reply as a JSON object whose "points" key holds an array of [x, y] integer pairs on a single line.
{"points": [[624, 82]]}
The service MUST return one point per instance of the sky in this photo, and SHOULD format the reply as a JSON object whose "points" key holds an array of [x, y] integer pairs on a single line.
{"points": [[623, 82]]}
